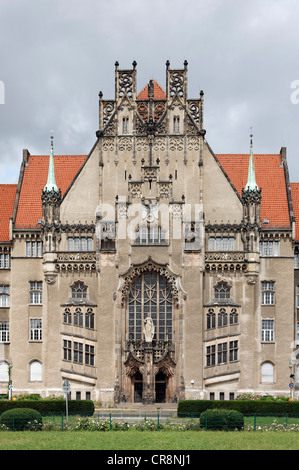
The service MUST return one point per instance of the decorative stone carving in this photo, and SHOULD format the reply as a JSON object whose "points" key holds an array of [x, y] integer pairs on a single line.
{"points": [[176, 143], [164, 190], [193, 143], [108, 144], [135, 190], [159, 144], [150, 265], [125, 144]]}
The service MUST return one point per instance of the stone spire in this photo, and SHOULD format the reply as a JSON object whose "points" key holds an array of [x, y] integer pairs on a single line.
{"points": [[51, 182], [251, 183]]}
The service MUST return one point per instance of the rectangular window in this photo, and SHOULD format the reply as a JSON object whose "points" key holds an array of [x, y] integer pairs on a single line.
{"points": [[67, 350], [33, 249], [4, 296], [70, 244], [211, 355], [222, 353], [36, 329], [4, 332], [176, 124], [78, 352], [4, 261], [267, 330], [89, 355], [296, 259], [149, 235], [79, 244], [269, 248], [76, 244], [267, 293], [233, 351], [125, 125], [221, 244], [36, 296]]}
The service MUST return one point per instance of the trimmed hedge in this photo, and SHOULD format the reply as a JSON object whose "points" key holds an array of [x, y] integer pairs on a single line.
{"points": [[45, 407], [21, 419], [221, 419], [250, 407]]}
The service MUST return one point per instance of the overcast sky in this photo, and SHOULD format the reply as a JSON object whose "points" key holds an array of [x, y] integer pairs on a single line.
{"points": [[56, 55]]}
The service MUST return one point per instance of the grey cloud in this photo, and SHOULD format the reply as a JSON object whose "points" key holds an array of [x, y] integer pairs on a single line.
{"points": [[57, 55]]}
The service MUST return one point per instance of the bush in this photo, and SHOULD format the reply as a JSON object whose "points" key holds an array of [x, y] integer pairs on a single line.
{"points": [[20, 419], [223, 420], [46, 407], [250, 407]]}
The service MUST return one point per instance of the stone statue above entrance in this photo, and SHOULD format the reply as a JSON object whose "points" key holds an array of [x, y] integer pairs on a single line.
{"points": [[148, 329]]}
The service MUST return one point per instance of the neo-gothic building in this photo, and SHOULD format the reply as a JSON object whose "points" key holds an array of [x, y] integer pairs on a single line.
{"points": [[150, 269]]}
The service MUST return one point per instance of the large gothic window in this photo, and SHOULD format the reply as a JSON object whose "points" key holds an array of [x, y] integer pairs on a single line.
{"points": [[150, 294]]}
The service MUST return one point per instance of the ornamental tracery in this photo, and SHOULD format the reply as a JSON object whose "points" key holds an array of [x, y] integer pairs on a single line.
{"points": [[149, 266]]}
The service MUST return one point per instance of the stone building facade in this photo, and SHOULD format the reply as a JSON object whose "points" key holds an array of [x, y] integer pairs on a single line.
{"points": [[151, 269]]}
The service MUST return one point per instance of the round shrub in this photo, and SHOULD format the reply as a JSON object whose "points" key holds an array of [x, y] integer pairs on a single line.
{"points": [[20, 419], [222, 420]]}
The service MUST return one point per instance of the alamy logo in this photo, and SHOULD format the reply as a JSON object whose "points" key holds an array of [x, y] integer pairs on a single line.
{"points": [[295, 94], [2, 92]]}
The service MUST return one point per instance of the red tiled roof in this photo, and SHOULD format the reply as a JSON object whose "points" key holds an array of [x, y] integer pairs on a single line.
{"points": [[295, 200], [159, 93], [34, 180], [7, 200], [269, 177]]}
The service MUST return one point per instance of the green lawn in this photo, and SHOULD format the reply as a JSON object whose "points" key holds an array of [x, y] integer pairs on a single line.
{"points": [[137, 440]]}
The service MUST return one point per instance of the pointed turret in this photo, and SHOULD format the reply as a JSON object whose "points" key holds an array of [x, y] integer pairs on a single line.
{"points": [[51, 195], [51, 182], [251, 183], [251, 198]]}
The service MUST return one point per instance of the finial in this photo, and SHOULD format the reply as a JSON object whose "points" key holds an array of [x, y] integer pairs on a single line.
{"points": [[251, 183], [52, 138]]}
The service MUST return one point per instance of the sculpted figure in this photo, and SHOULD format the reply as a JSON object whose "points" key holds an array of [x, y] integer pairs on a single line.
{"points": [[148, 329]]}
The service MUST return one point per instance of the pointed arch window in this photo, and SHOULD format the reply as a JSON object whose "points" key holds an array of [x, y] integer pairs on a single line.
{"points": [[211, 319], [222, 291], [222, 317], [79, 291], [78, 317], [150, 294]]}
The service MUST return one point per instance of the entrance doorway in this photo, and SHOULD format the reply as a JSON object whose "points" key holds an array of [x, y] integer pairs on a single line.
{"points": [[160, 387], [138, 380]]}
